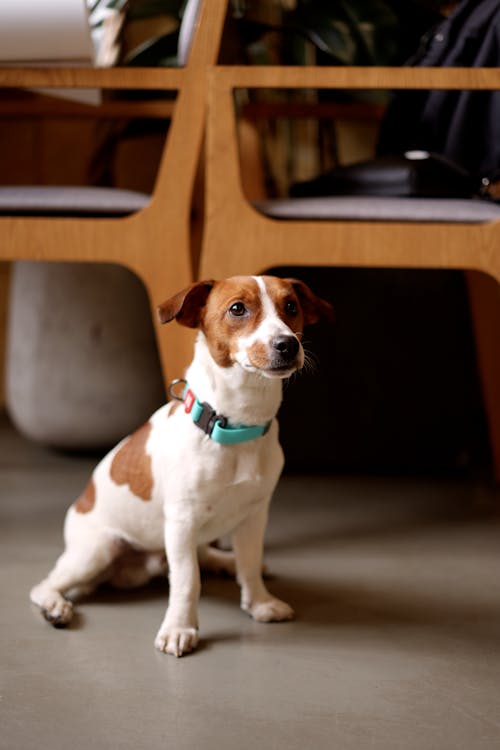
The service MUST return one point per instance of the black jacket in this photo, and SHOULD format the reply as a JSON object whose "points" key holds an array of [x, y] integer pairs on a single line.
{"points": [[462, 125]]}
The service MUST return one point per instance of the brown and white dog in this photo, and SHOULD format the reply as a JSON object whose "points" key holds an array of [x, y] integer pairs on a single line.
{"points": [[195, 473]]}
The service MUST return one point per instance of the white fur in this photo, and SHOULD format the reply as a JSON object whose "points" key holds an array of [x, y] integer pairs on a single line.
{"points": [[202, 490]]}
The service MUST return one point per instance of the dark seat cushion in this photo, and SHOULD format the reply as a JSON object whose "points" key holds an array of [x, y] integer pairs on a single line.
{"points": [[375, 208], [48, 200]]}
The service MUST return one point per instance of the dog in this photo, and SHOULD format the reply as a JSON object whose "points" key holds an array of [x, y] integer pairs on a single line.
{"points": [[196, 471]]}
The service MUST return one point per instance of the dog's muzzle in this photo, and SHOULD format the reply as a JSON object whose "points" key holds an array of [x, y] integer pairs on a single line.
{"points": [[284, 352]]}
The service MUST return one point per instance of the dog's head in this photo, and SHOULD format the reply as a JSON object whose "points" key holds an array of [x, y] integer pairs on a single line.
{"points": [[255, 322]]}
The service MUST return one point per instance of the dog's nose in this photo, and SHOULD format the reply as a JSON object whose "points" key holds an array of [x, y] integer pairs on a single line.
{"points": [[287, 346]]}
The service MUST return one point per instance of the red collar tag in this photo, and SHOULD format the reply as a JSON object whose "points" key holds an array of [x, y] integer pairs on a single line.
{"points": [[189, 400]]}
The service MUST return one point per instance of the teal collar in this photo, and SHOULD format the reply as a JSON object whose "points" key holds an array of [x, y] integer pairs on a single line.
{"points": [[215, 425]]}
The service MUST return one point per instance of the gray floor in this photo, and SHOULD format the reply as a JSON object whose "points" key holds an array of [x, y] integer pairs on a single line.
{"points": [[397, 643]]}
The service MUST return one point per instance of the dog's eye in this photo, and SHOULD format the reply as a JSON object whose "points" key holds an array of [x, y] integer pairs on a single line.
{"points": [[291, 307], [237, 309]]}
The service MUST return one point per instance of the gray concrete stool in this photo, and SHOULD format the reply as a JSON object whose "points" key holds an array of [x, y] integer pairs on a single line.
{"points": [[82, 364]]}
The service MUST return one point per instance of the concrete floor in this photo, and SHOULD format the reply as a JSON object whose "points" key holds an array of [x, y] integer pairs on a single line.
{"points": [[397, 642]]}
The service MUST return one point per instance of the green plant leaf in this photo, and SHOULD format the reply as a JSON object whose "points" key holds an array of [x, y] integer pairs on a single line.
{"points": [[358, 32]]}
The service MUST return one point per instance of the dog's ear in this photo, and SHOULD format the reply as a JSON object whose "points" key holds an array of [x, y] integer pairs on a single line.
{"points": [[186, 306], [314, 308]]}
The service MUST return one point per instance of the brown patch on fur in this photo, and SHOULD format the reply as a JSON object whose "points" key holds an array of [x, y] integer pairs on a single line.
{"points": [[86, 501], [174, 405], [131, 464], [258, 355], [186, 306], [223, 330], [282, 291], [314, 308]]}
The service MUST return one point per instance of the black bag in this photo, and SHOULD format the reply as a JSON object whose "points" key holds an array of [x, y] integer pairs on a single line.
{"points": [[415, 173]]}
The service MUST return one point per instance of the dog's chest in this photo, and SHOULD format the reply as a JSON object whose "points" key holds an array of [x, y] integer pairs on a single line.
{"points": [[216, 486], [171, 471], [220, 513]]}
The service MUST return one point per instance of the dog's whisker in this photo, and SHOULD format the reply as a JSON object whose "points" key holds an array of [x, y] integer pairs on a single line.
{"points": [[311, 363]]}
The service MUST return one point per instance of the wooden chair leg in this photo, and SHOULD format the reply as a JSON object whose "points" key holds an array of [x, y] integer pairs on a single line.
{"points": [[4, 286], [484, 300], [175, 348]]}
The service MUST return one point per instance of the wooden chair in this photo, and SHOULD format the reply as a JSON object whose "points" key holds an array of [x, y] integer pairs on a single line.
{"points": [[241, 237], [148, 234]]}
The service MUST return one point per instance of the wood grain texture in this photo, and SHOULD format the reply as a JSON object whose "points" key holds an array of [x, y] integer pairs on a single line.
{"points": [[339, 77], [4, 285], [106, 78]]}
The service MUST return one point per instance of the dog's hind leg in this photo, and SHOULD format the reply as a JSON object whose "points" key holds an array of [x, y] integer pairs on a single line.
{"points": [[218, 561], [137, 567], [84, 560]]}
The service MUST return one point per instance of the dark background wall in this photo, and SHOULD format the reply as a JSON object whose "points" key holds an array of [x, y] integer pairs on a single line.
{"points": [[395, 387]]}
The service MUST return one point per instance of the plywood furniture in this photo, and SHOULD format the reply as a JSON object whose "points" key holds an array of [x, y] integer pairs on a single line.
{"points": [[241, 237], [152, 239]]}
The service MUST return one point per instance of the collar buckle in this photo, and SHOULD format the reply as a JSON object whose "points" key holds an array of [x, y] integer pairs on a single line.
{"points": [[208, 418]]}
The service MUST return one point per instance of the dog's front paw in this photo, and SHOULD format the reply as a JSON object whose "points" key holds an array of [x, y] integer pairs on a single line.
{"points": [[55, 608], [176, 641], [269, 610]]}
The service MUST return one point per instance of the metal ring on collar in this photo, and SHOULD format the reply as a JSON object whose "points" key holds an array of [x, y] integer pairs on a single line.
{"points": [[171, 387]]}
